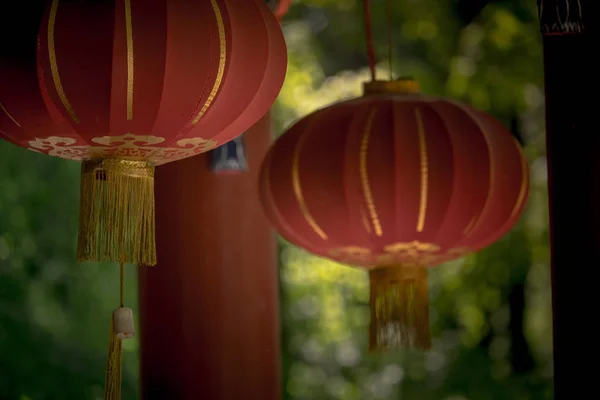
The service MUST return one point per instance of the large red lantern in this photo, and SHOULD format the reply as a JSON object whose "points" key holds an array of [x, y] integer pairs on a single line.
{"points": [[394, 182], [134, 84], [128, 85]]}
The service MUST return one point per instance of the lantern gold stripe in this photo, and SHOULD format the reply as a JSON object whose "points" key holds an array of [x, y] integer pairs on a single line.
{"points": [[129, 35], [54, 64], [424, 171], [222, 61], [364, 175], [269, 194], [365, 220], [298, 190], [8, 115], [470, 225]]}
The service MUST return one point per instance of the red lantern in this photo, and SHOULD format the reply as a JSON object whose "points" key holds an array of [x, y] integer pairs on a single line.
{"points": [[132, 84], [126, 85], [393, 182]]}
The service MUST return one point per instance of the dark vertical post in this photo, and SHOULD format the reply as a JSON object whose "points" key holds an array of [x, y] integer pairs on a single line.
{"points": [[573, 155], [209, 310]]}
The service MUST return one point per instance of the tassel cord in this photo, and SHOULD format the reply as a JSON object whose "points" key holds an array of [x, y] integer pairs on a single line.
{"points": [[369, 34], [122, 282], [389, 36]]}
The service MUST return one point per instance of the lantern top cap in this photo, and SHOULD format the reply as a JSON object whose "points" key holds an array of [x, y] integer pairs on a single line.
{"points": [[399, 86]]}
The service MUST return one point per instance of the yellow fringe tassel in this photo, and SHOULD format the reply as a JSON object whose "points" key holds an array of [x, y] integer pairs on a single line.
{"points": [[116, 219], [399, 303], [112, 379]]}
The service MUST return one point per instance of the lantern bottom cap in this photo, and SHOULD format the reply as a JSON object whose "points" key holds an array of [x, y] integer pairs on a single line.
{"points": [[399, 303], [116, 217]]}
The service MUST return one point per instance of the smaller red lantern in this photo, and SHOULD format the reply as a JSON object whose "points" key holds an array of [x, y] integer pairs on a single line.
{"points": [[395, 182]]}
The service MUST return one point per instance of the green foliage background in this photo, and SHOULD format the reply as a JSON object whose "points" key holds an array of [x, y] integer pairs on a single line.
{"points": [[491, 312]]}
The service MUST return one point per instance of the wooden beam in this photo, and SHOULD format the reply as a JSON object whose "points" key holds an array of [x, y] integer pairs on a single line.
{"points": [[209, 310], [573, 156]]}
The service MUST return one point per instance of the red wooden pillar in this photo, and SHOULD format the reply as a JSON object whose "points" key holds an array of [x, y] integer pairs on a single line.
{"points": [[209, 318]]}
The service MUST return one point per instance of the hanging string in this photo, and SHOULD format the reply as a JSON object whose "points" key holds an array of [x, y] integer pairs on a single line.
{"points": [[389, 36], [369, 32], [122, 292]]}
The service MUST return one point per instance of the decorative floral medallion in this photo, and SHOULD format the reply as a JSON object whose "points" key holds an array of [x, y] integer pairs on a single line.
{"points": [[125, 147], [414, 252]]}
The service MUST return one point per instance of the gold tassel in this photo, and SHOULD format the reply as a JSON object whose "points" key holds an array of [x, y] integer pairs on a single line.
{"points": [[116, 220], [121, 327], [114, 373], [399, 302]]}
